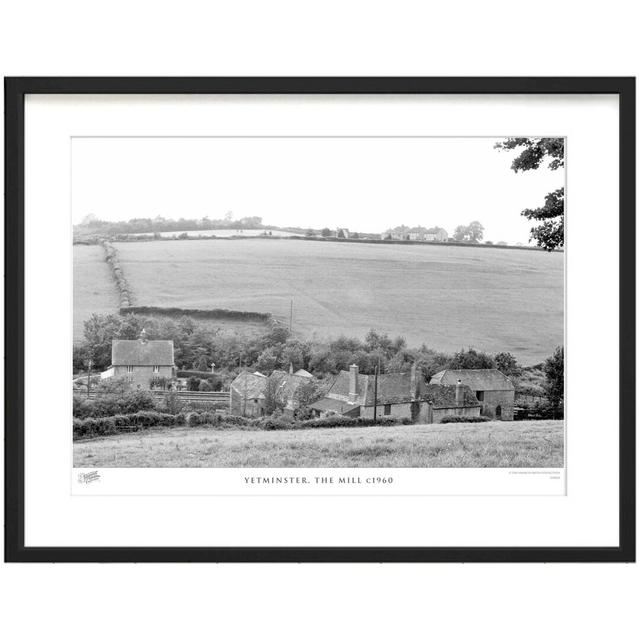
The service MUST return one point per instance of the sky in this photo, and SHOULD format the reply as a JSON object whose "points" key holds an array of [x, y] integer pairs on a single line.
{"points": [[363, 184]]}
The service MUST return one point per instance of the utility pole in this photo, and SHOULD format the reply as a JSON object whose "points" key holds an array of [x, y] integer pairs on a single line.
{"points": [[244, 406], [291, 316], [89, 364], [375, 391]]}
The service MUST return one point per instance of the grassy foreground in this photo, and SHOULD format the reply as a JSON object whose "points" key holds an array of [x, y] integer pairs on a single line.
{"points": [[489, 444]]}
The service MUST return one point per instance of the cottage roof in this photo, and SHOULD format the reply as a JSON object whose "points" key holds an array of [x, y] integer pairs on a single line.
{"points": [[440, 396], [288, 383], [331, 404], [142, 352], [255, 384], [392, 388], [476, 379]]}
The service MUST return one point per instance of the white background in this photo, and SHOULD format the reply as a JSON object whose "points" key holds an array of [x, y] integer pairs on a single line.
{"points": [[330, 38], [587, 516]]}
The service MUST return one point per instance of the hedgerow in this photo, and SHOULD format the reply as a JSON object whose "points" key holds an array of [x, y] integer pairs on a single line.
{"points": [[122, 423], [450, 419], [111, 425]]}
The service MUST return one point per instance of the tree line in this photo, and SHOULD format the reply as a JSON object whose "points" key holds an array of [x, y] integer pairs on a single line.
{"points": [[198, 345]]}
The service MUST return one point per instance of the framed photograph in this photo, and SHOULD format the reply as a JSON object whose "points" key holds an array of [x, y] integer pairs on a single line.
{"points": [[320, 319]]}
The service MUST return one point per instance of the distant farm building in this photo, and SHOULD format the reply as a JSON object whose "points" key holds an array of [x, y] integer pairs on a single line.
{"points": [[494, 391], [285, 387], [399, 395], [141, 361], [254, 394], [419, 234], [248, 395]]}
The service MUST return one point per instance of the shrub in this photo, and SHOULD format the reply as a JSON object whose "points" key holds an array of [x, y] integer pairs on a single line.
{"points": [[449, 419], [108, 425]]}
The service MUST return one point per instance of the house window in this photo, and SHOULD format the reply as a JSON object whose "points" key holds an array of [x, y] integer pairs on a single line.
{"points": [[387, 409], [156, 368], [129, 368], [480, 395]]}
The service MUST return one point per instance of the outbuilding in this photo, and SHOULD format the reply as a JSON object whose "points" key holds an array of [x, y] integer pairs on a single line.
{"points": [[493, 390]]}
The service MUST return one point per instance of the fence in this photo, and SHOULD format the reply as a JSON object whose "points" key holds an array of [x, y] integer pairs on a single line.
{"points": [[184, 396]]}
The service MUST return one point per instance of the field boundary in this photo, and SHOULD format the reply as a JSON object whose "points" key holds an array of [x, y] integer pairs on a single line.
{"points": [[202, 314]]}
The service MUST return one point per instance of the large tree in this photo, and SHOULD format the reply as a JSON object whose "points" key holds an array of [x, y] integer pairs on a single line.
{"points": [[553, 368], [534, 153], [473, 232]]}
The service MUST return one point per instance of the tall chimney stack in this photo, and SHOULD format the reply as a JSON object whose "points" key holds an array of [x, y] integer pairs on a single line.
{"points": [[459, 394], [353, 383]]}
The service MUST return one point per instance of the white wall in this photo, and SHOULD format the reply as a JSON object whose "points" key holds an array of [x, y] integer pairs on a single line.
{"points": [[329, 38]]}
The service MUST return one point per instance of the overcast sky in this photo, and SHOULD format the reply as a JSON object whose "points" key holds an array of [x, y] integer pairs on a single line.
{"points": [[364, 184]]}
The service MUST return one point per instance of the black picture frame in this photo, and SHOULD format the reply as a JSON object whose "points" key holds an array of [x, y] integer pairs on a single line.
{"points": [[15, 91]]}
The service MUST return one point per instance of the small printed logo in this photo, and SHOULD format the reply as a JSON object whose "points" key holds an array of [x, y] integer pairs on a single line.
{"points": [[90, 476]]}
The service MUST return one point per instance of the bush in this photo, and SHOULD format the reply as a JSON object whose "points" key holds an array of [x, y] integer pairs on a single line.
{"points": [[344, 421], [111, 404], [449, 419], [109, 425]]}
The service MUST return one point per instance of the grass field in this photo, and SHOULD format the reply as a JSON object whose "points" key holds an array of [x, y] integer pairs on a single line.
{"points": [[94, 290], [447, 297], [491, 444]]}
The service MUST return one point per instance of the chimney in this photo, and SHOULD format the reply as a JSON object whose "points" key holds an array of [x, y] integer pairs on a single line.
{"points": [[414, 382], [459, 394], [291, 368], [353, 383], [143, 337]]}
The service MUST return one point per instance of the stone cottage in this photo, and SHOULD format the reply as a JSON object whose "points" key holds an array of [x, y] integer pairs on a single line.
{"points": [[285, 388], [448, 400], [493, 390], [141, 361], [353, 394], [400, 395], [248, 395]]}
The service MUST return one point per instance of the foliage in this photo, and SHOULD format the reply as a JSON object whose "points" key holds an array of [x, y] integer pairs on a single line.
{"points": [[533, 153], [507, 364], [549, 234], [112, 403], [554, 384], [471, 359], [110, 425], [473, 232], [92, 224], [326, 232], [193, 383], [453, 419]]}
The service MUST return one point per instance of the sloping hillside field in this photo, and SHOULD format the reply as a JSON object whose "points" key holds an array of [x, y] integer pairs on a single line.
{"points": [[94, 290], [446, 297]]}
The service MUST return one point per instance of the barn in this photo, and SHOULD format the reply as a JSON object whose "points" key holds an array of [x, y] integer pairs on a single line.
{"points": [[493, 390]]}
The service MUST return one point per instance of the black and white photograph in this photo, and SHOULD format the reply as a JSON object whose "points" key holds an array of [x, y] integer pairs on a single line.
{"points": [[318, 301]]}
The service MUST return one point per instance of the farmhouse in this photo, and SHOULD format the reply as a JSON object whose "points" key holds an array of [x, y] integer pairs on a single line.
{"points": [[248, 395], [492, 388], [141, 361], [400, 395]]}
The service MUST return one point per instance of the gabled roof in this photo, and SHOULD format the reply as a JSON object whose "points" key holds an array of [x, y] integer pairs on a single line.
{"points": [[440, 396], [286, 384], [142, 353], [392, 388], [255, 384], [475, 379], [304, 373], [339, 390], [331, 404]]}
